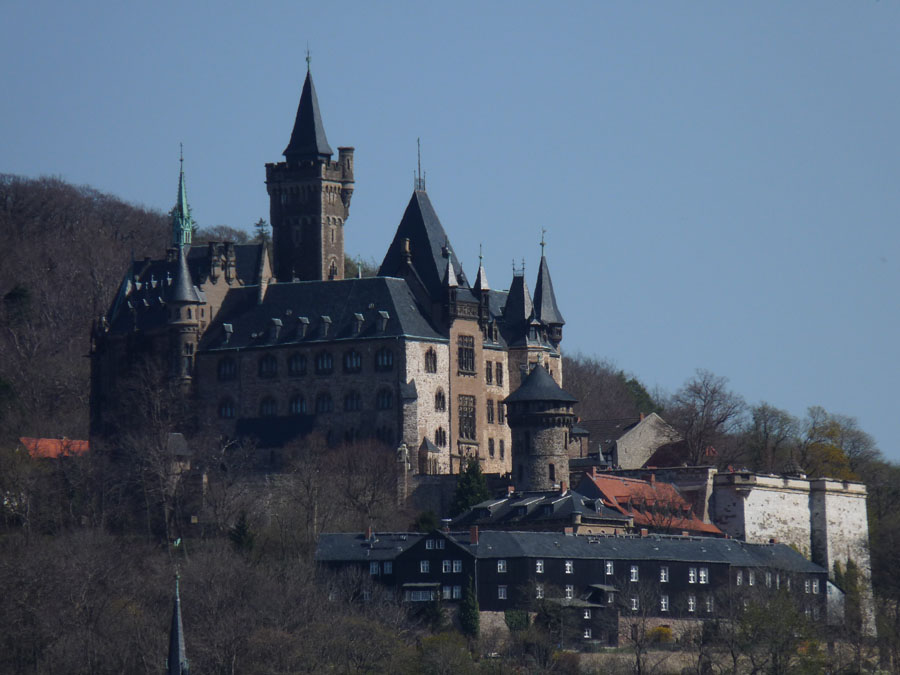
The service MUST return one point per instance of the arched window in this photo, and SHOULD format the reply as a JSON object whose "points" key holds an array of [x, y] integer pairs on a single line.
{"points": [[227, 368], [352, 361], [297, 365], [352, 402], [226, 409], [440, 437], [324, 363], [384, 399], [332, 270], [491, 447], [324, 404], [268, 366], [430, 361], [268, 407], [551, 470], [440, 401], [384, 359], [298, 404]]}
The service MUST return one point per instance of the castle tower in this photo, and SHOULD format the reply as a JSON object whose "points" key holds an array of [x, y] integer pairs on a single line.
{"points": [[309, 198], [545, 308], [540, 415], [184, 319]]}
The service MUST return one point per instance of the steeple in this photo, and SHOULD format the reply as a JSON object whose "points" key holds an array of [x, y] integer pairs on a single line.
{"points": [[177, 663], [518, 310], [545, 308], [481, 282], [182, 224], [449, 275], [308, 137]]}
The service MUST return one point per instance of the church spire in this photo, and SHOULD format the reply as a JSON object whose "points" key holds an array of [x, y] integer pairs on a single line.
{"points": [[308, 137], [182, 224], [177, 662]]}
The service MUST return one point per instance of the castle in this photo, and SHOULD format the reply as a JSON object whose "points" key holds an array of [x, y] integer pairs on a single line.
{"points": [[275, 345]]}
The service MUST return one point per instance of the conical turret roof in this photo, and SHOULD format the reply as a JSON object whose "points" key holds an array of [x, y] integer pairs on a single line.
{"points": [[481, 282], [540, 386], [518, 308], [545, 308], [184, 290], [308, 137], [177, 662]]}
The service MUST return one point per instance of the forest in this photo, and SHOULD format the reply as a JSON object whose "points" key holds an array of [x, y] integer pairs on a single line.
{"points": [[88, 556]]}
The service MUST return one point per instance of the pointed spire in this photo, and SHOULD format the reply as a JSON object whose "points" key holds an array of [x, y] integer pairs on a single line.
{"points": [[308, 137], [545, 308], [184, 284], [519, 308], [182, 224], [449, 275], [481, 282], [177, 663]]}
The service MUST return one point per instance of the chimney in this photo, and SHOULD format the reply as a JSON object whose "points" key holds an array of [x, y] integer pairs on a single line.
{"points": [[652, 479], [510, 491], [473, 534], [684, 533], [370, 533], [562, 488], [644, 532], [445, 525], [642, 417], [568, 531]]}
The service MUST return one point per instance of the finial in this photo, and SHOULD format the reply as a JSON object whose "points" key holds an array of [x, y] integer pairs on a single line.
{"points": [[420, 177], [543, 232], [514, 265], [359, 267], [480, 257], [308, 57], [181, 154], [523, 265]]}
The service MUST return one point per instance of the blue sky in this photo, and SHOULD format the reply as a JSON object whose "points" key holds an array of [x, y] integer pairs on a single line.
{"points": [[719, 182]]}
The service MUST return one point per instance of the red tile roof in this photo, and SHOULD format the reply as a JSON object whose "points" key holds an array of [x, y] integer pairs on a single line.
{"points": [[51, 448], [652, 504]]}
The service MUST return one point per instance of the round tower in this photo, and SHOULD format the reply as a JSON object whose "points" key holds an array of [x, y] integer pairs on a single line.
{"points": [[183, 319], [540, 414]]}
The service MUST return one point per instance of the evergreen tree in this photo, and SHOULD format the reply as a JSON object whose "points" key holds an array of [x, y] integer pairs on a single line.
{"points": [[468, 611], [240, 535], [471, 488], [261, 227]]}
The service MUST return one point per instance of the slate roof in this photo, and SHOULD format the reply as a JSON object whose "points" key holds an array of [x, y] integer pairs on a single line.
{"points": [[607, 432], [539, 508], [545, 308], [540, 386], [428, 242], [340, 547], [340, 301], [308, 137], [184, 289]]}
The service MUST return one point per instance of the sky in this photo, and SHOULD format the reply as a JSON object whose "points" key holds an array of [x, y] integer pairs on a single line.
{"points": [[718, 181]]}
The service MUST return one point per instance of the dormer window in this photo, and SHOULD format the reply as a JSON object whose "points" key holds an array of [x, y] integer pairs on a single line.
{"points": [[275, 329], [358, 321], [325, 326], [383, 320], [302, 326]]}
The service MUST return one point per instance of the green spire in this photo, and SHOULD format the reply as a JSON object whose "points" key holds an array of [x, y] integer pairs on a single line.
{"points": [[182, 224]]}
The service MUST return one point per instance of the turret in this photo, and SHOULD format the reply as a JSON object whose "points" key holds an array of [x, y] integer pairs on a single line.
{"points": [[184, 308], [177, 662], [309, 198], [540, 414], [545, 308]]}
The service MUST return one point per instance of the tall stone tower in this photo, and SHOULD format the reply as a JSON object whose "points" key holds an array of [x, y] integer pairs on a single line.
{"points": [[309, 199], [540, 415]]}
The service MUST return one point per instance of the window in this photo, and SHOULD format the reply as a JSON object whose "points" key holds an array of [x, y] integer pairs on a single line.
{"points": [[634, 603], [664, 603], [501, 566], [704, 575], [424, 566], [806, 586], [445, 567], [815, 585], [429, 544], [457, 592], [352, 361], [268, 407], [324, 404], [352, 402], [268, 366], [440, 437], [634, 573], [502, 448], [709, 604], [570, 591], [490, 412], [440, 401], [609, 567], [430, 361], [498, 372], [539, 591], [226, 409], [298, 405], [388, 567], [467, 417], [587, 632], [501, 592], [539, 566], [610, 597], [692, 603], [296, 365], [663, 574], [384, 399], [373, 567], [440, 544], [488, 373], [420, 596], [491, 447], [227, 369], [768, 580], [446, 591], [501, 412], [384, 359], [751, 577], [777, 580], [551, 472], [738, 578], [457, 566], [466, 352], [570, 567], [324, 363], [587, 613], [692, 575]]}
